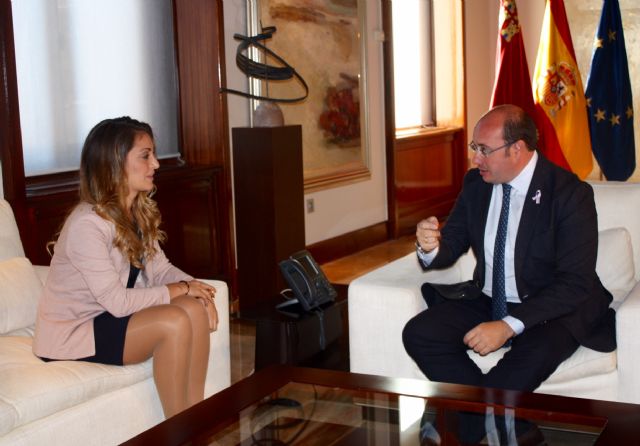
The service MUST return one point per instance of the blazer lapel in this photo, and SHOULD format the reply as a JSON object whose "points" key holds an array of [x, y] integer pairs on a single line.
{"points": [[482, 211], [483, 207], [538, 197]]}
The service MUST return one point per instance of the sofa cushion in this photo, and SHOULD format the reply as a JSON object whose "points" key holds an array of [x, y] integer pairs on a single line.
{"points": [[10, 244], [615, 265], [584, 362], [31, 389], [617, 205], [21, 289]]}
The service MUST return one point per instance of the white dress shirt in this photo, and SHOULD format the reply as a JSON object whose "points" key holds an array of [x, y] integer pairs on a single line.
{"points": [[519, 187]]}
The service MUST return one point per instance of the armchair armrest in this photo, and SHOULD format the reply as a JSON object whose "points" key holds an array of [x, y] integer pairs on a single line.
{"points": [[380, 304], [42, 272], [628, 339], [219, 370]]}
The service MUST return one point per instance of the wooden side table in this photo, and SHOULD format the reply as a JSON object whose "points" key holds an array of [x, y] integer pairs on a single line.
{"points": [[294, 337]]}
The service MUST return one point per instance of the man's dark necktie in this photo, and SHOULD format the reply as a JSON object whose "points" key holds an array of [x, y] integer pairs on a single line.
{"points": [[499, 298]]}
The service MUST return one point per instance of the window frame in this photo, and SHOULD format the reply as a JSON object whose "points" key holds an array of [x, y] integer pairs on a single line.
{"points": [[203, 133], [427, 78]]}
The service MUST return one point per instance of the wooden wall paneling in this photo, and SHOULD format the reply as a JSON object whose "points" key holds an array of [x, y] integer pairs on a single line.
{"points": [[349, 243], [49, 200], [200, 54], [204, 136], [191, 213], [389, 117], [10, 136], [428, 176], [46, 214]]}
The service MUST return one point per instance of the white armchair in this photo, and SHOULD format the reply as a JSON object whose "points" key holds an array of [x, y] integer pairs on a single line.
{"points": [[382, 301]]}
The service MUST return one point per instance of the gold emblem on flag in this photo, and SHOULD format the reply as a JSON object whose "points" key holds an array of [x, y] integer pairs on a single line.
{"points": [[510, 24], [558, 86]]}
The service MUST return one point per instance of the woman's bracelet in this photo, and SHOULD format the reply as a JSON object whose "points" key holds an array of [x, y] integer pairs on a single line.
{"points": [[188, 287]]}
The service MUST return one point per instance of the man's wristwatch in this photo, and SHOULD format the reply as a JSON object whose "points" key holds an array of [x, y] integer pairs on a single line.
{"points": [[419, 248]]}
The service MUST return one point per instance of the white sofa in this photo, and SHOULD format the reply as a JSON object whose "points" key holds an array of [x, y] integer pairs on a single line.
{"points": [[67, 402], [382, 301]]}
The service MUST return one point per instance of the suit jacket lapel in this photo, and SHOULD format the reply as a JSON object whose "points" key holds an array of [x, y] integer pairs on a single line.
{"points": [[530, 212], [484, 199]]}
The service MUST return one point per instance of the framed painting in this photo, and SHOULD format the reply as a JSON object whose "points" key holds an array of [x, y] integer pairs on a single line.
{"points": [[323, 40]]}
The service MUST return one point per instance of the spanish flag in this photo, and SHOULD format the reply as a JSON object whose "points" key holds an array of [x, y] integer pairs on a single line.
{"points": [[559, 95]]}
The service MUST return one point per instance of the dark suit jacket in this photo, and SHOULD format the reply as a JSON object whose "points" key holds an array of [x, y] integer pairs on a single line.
{"points": [[555, 252]]}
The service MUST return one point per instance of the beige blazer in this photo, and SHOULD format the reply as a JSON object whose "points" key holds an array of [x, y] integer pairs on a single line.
{"points": [[88, 276]]}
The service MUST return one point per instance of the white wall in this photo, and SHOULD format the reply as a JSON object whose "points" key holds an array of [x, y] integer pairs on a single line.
{"points": [[342, 209], [481, 23]]}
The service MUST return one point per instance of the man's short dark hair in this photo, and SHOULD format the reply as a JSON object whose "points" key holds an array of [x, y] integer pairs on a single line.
{"points": [[519, 125]]}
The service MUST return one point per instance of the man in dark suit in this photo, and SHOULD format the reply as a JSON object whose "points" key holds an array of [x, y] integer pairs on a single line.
{"points": [[544, 266]]}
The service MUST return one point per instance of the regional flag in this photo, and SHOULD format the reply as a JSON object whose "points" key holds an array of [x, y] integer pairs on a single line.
{"points": [[609, 98], [512, 84], [559, 95]]}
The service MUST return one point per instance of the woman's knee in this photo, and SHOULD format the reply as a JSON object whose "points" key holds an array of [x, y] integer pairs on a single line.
{"points": [[194, 309], [153, 327], [175, 322]]}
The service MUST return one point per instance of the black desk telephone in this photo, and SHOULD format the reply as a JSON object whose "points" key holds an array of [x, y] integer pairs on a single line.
{"points": [[307, 281]]}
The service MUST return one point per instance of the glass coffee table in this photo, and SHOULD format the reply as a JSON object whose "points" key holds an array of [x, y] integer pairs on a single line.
{"points": [[283, 405]]}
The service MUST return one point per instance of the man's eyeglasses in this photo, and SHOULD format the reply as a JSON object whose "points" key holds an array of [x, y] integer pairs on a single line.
{"points": [[486, 151]]}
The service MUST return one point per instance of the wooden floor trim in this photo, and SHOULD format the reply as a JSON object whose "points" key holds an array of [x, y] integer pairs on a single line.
{"points": [[349, 243]]}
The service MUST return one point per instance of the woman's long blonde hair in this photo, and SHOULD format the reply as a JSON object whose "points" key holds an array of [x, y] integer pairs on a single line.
{"points": [[103, 184]]}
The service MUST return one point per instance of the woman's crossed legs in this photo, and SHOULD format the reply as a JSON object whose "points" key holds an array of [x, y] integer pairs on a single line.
{"points": [[177, 336]]}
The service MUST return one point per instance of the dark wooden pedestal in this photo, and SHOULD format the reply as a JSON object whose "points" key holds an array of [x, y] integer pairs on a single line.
{"points": [[269, 205]]}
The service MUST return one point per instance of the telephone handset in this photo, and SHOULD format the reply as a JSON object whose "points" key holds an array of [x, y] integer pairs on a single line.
{"points": [[307, 281]]}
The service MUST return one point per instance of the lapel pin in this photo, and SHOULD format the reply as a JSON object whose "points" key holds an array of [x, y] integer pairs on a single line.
{"points": [[537, 196]]}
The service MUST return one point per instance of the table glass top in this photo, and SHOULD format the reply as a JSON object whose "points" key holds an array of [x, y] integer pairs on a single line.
{"points": [[307, 414]]}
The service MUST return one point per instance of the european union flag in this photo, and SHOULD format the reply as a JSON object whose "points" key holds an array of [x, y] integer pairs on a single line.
{"points": [[609, 98]]}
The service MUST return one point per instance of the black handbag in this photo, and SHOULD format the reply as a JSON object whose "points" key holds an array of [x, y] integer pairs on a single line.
{"points": [[435, 293]]}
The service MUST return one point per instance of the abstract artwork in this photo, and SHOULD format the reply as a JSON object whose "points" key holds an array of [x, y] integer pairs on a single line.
{"points": [[323, 41]]}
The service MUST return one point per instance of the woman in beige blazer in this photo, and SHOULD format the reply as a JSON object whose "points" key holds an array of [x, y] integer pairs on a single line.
{"points": [[111, 295]]}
